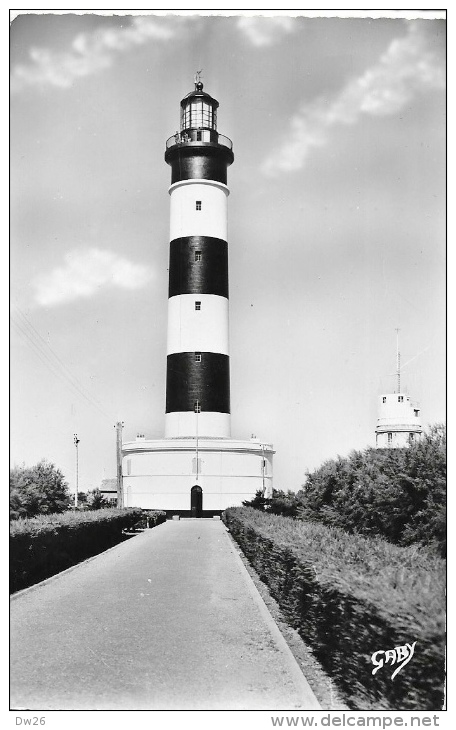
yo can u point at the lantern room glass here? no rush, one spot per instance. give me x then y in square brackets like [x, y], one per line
[198, 114]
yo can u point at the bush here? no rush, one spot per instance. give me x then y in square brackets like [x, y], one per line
[154, 517]
[95, 500]
[259, 501]
[45, 545]
[281, 503]
[349, 596]
[149, 518]
[35, 490]
[399, 494]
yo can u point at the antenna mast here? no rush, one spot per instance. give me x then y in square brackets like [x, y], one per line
[398, 357]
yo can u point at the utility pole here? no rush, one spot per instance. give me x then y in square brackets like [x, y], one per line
[120, 498]
[262, 468]
[197, 409]
[76, 441]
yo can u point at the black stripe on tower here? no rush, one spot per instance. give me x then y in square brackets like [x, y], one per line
[198, 265]
[199, 162]
[207, 381]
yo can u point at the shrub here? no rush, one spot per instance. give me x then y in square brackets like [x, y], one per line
[281, 503]
[349, 596]
[259, 501]
[39, 489]
[45, 545]
[95, 500]
[398, 494]
[154, 517]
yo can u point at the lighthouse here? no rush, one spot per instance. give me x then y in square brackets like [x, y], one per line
[198, 367]
[197, 469]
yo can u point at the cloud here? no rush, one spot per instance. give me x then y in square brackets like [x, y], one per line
[407, 68]
[262, 31]
[90, 53]
[85, 273]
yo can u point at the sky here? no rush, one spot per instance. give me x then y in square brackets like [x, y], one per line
[336, 223]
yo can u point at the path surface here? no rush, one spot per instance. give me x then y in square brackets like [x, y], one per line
[167, 620]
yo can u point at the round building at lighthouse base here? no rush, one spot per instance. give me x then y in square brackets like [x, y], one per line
[191, 477]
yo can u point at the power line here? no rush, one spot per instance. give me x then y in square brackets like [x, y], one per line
[47, 346]
[49, 358]
[46, 360]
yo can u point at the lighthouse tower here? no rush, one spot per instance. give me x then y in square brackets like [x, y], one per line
[198, 469]
[198, 368]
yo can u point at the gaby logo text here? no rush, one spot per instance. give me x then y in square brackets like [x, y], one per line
[401, 654]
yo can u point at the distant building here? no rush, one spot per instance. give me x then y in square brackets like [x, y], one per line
[109, 489]
[398, 423]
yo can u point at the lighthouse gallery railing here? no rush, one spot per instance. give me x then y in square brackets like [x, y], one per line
[194, 136]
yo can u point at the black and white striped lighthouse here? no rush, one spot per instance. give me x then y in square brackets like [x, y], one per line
[198, 368]
[198, 469]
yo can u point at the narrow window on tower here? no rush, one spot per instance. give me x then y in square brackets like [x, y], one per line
[198, 256]
[400, 398]
[198, 205]
[197, 306]
[384, 399]
[197, 407]
[390, 439]
[197, 357]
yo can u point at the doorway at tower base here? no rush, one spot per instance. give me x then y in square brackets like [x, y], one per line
[161, 474]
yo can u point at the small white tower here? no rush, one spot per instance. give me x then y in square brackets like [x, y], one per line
[399, 422]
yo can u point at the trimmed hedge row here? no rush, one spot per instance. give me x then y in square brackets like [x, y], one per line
[43, 546]
[349, 596]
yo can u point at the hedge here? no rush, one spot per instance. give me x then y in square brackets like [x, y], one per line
[43, 546]
[153, 517]
[349, 596]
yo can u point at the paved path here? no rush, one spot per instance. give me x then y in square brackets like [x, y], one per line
[167, 620]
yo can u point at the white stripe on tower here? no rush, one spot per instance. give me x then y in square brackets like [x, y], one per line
[198, 330]
[210, 220]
